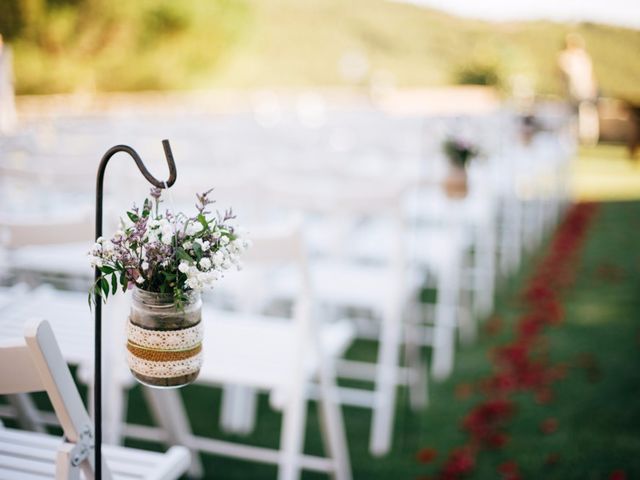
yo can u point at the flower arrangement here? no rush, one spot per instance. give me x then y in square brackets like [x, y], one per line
[459, 151]
[163, 252]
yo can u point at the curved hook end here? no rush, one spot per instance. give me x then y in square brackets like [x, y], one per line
[170, 162]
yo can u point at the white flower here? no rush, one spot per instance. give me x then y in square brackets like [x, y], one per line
[167, 237]
[145, 265]
[187, 245]
[217, 258]
[205, 263]
[151, 235]
[224, 240]
[192, 271]
[193, 228]
[184, 266]
[140, 279]
[95, 261]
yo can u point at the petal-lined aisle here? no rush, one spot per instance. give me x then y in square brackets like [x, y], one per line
[559, 402]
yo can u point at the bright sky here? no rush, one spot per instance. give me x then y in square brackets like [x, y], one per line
[617, 12]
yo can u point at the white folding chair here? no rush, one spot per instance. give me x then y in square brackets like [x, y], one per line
[41, 249]
[343, 284]
[275, 354]
[35, 364]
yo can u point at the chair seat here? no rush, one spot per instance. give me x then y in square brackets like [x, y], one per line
[67, 312]
[432, 247]
[235, 343]
[68, 259]
[32, 456]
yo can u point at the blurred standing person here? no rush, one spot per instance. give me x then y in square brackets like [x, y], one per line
[581, 86]
[7, 98]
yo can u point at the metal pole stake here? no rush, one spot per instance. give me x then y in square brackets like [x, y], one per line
[97, 378]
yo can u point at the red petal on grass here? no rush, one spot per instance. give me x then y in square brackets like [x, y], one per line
[427, 455]
[460, 461]
[544, 396]
[618, 475]
[497, 440]
[552, 459]
[549, 426]
[508, 467]
[463, 390]
[493, 325]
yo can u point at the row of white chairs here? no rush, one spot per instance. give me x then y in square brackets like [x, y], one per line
[384, 237]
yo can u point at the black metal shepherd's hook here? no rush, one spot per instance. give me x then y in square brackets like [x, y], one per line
[97, 379]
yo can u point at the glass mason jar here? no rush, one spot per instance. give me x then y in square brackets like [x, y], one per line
[164, 342]
[456, 183]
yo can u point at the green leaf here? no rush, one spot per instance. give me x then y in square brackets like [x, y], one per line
[197, 248]
[106, 269]
[123, 281]
[114, 284]
[104, 284]
[146, 208]
[133, 217]
[201, 218]
[183, 255]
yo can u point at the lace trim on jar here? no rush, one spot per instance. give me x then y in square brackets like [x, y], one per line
[176, 340]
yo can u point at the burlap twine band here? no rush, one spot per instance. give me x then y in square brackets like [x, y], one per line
[156, 355]
[159, 352]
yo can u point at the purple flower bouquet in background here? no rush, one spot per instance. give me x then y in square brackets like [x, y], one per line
[459, 151]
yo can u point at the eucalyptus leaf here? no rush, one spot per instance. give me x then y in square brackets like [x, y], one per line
[104, 284]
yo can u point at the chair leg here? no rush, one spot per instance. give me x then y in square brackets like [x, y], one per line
[418, 386]
[64, 469]
[484, 273]
[445, 320]
[168, 412]
[384, 402]
[239, 409]
[292, 437]
[116, 415]
[331, 421]
[26, 411]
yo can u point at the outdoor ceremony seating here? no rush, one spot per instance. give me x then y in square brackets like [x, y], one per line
[272, 353]
[34, 363]
[40, 248]
[72, 322]
[376, 233]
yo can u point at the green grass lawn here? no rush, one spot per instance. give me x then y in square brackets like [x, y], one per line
[604, 173]
[596, 405]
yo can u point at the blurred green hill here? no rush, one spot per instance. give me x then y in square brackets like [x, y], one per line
[69, 45]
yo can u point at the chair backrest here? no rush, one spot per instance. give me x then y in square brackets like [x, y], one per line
[35, 363]
[340, 205]
[274, 250]
[69, 229]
